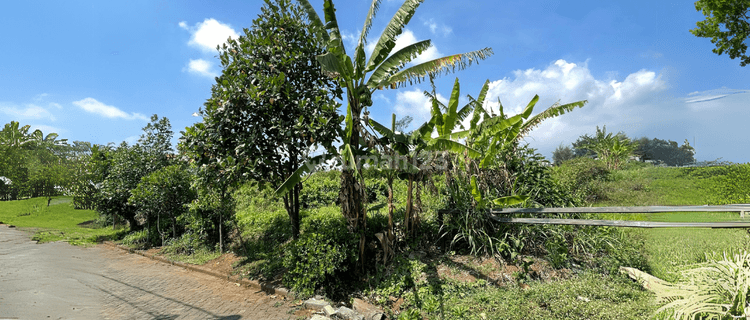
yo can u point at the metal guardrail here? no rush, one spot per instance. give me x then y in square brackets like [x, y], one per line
[741, 208]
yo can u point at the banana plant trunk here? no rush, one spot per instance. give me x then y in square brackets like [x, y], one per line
[390, 209]
[408, 216]
[352, 193]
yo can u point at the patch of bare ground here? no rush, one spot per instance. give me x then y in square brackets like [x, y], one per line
[496, 271]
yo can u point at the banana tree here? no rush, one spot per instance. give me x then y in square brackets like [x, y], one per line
[386, 69]
[393, 146]
[14, 136]
[490, 135]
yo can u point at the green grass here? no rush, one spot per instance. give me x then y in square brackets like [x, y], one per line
[589, 296]
[58, 222]
[669, 249]
[592, 296]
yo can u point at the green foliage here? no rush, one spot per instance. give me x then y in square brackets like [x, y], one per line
[138, 240]
[321, 189]
[165, 192]
[401, 277]
[310, 261]
[665, 151]
[732, 185]
[32, 164]
[728, 26]
[582, 177]
[562, 154]
[129, 164]
[90, 169]
[190, 248]
[388, 69]
[269, 108]
[534, 178]
[323, 252]
[612, 150]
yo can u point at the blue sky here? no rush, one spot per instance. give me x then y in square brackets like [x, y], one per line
[96, 70]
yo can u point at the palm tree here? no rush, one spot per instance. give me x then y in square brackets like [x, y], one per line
[387, 69]
[14, 136]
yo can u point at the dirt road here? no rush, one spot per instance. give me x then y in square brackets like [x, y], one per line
[60, 281]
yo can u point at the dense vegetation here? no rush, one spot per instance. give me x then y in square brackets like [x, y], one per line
[401, 218]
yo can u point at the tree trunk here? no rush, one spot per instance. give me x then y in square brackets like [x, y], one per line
[174, 227]
[293, 210]
[390, 209]
[407, 216]
[221, 235]
[132, 223]
[418, 206]
[239, 234]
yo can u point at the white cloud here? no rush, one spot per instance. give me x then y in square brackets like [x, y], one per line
[208, 34]
[46, 129]
[56, 105]
[711, 95]
[639, 105]
[415, 104]
[406, 38]
[350, 39]
[40, 96]
[31, 111]
[436, 28]
[610, 103]
[201, 67]
[91, 105]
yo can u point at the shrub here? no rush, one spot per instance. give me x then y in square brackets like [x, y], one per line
[186, 244]
[581, 177]
[322, 254]
[321, 189]
[137, 240]
[310, 261]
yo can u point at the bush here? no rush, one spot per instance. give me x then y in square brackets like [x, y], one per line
[322, 254]
[187, 244]
[582, 178]
[321, 189]
[136, 240]
[312, 260]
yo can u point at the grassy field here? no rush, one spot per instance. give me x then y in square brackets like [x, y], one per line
[58, 222]
[671, 248]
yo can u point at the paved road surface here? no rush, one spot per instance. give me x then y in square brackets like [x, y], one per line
[60, 281]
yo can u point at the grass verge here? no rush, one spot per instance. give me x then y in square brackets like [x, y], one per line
[58, 222]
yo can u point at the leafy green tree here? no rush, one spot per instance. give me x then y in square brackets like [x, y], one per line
[32, 161]
[90, 168]
[270, 108]
[15, 143]
[562, 154]
[612, 149]
[49, 180]
[129, 164]
[387, 70]
[165, 192]
[665, 151]
[727, 24]
[581, 145]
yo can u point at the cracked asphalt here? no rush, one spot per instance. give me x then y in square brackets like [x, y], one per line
[60, 281]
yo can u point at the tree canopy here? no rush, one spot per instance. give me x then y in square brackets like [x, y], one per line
[665, 151]
[269, 108]
[727, 24]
